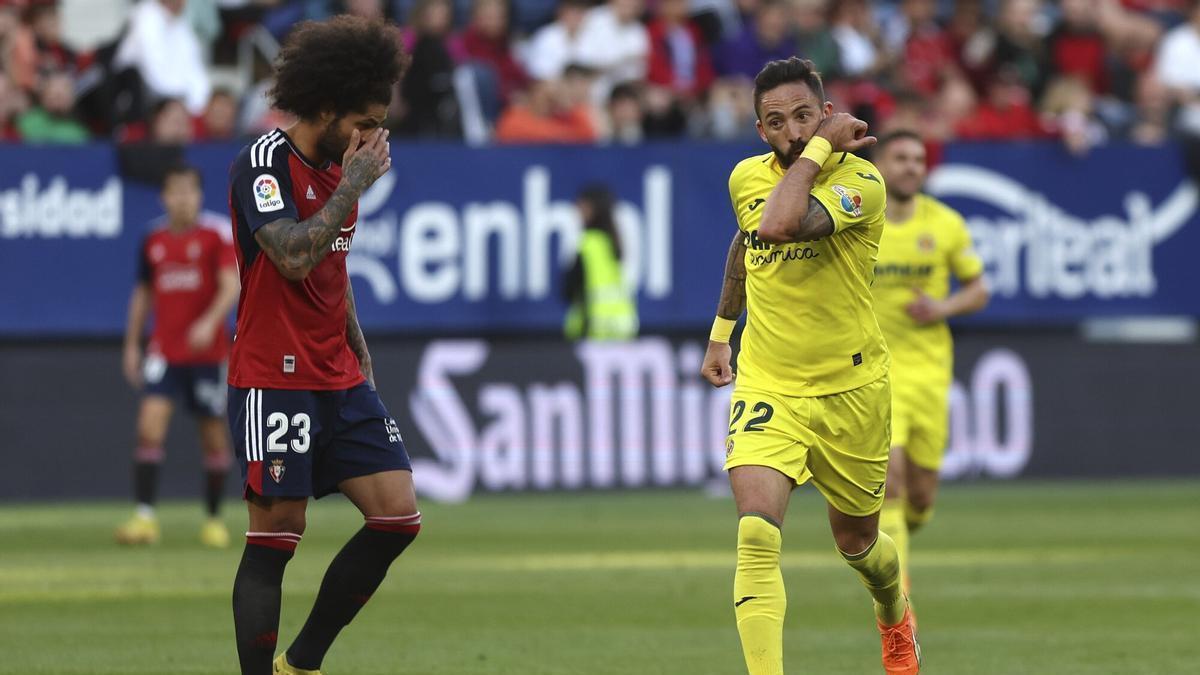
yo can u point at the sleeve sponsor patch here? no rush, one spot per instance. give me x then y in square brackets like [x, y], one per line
[267, 195]
[850, 200]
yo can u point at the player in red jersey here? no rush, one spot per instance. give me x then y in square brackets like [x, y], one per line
[186, 275]
[305, 416]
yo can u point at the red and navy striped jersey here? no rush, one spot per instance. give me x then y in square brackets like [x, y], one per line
[290, 335]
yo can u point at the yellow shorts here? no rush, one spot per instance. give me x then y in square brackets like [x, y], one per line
[920, 422]
[840, 441]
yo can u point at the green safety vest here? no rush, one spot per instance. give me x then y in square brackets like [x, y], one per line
[610, 307]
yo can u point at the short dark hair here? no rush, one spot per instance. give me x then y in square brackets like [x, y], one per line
[625, 90]
[160, 106]
[893, 136]
[783, 71]
[341, 65]
[181, 169]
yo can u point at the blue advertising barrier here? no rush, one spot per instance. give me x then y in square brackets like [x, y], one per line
[466, 240]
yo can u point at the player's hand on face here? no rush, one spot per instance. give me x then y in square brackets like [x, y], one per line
[201, 335]
[924, 309]
[367, 158]
[131, 366]
[845, 132]
[716, 367]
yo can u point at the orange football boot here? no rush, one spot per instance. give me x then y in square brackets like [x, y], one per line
[901, 651]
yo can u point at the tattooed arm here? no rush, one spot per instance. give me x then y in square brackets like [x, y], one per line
[296, 248]
[733, 292]
[354, 336]
[717, 369]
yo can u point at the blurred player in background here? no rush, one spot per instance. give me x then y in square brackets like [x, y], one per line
[601, 305]
[812, 398]
[304, 413]
[924, 243]
[186, 274]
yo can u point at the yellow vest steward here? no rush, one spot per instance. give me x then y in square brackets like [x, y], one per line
[610, 307]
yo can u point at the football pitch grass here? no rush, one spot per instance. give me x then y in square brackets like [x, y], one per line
[1046, 579]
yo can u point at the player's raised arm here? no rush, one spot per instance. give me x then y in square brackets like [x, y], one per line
[354, 336]
[295, 248]
[791, 213]
[716, 368]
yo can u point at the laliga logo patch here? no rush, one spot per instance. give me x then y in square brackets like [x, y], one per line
[851, 200]
[276, 470]
[729, 446]
[267, 195]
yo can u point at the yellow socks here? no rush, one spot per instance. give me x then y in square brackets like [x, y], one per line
[892, 522]
[759, 600]
[914, 518]
[879, 569]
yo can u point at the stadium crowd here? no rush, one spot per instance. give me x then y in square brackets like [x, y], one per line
[624, 71]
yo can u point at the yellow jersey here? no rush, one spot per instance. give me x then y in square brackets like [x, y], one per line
[810, 326]
[921, 253]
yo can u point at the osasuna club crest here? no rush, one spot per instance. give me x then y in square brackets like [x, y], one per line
[276, 470]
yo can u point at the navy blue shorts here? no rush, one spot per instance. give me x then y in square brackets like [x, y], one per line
[200, 388]
[299, 443]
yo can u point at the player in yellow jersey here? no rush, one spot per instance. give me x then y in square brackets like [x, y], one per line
[924, 243]
[812, 399]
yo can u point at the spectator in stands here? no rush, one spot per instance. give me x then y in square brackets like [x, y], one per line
[546, 114]
[614, 42]
[578, 89]
[679, 61]
[955, 103]
[911, 110]
[814, 39]
[730, 113]
[52, 119]
[428, 105]
[766, 38]
[485, 42]
[556, 45]
[367, 9]
[162, 46]
[624, 124]
[151, 147]
[52, 55]
[1068, 109]
[972, 41]
[1177, 66]
[1019, 42]
[924, 53]
[1006, 113]
[1076, 46]
[18, 46]
[13, 102]
[1130, 40]
[219, 122]
[854, 31]
[1152, 110]
[168, 124]
[171, 124]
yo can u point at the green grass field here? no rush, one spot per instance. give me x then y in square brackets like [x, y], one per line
[1052, 579]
